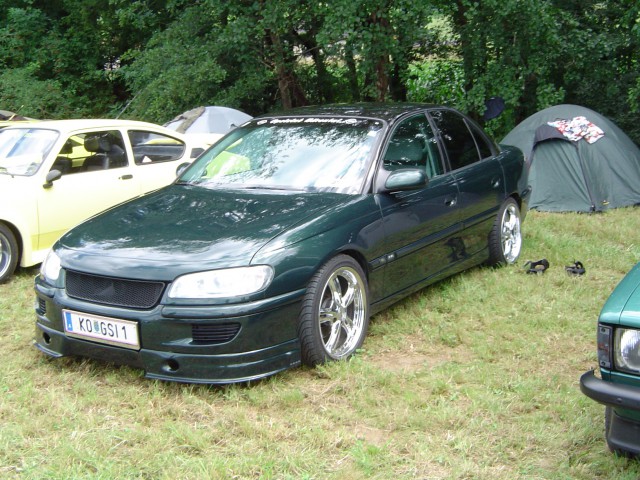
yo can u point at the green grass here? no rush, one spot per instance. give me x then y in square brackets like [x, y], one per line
[473, 378]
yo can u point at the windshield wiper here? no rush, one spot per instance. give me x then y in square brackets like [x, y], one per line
[284, 188]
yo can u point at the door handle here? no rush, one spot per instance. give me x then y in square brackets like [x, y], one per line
[126, 177]
[451, 201]
[495, 183]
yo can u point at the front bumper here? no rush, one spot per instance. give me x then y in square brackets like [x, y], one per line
[623, 433]
[266, 341]
[608, 393]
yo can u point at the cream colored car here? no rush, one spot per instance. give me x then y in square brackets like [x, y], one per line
[55, 174]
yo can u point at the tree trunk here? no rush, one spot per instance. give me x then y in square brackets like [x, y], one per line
[291, 93]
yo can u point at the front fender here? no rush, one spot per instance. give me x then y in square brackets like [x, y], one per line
[353, 228]
[20, 212]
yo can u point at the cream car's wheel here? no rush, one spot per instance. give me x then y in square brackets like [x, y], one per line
[335, 312]
[8, 253]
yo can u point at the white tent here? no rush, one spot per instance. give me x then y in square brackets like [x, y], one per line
[207, 124]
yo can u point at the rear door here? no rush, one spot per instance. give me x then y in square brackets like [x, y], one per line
[478, 174]
[156, 158]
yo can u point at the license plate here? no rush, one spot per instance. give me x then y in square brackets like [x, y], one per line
[112, 331]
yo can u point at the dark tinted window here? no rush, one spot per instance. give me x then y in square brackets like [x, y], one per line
[456, 137]
[483, 145]
[414, 145]
[152, 147]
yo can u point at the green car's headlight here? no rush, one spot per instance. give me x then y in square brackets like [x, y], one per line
[50, 268]
[229, 282]
[627, 350]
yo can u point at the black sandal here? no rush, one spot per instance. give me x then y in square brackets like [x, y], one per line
[537, 267]
[576, 269]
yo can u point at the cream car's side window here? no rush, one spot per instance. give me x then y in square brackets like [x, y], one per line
[151, 147]
[88, 152]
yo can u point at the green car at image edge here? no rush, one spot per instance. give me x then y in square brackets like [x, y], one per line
[618, 388]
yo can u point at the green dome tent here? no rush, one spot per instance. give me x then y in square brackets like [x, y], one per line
[579, 160]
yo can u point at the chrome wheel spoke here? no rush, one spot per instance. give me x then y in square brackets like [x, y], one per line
[336, 290]
[333, 337]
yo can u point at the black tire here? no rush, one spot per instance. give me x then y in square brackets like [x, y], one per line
[505, 239]
[330, 328]
[8, 253]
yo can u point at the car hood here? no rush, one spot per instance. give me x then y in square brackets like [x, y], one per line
[181, 229]
[623, 305]
[7, 181]
[17, 191]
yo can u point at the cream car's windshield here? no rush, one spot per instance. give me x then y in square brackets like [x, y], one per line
[22, 150]
[302, 154]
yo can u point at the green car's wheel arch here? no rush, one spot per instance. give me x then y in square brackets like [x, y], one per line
[505, 239]
[9, 252]
[335, 312]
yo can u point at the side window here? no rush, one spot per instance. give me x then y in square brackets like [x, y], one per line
[151, 147]
[456, 137]
[414, 145]
[88, 152]
[485, 148]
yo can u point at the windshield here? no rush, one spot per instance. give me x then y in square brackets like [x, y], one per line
[22, 150]
[301, 154]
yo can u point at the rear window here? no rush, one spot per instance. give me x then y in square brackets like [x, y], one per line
[151, 147]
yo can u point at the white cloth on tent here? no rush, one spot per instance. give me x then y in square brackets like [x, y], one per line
[578, 128]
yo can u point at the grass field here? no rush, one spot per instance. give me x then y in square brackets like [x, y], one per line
[473, 378]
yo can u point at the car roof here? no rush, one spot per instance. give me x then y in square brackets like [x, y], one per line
[77, 124]
[382, 111]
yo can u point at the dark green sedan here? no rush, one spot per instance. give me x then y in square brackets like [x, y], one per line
[276, 246]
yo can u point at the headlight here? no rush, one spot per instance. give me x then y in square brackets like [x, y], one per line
[230, 282]
[50, 268]
[627, 350]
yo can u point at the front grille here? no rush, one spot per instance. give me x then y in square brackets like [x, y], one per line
[41, 309]
[214, 334]
[113, 291]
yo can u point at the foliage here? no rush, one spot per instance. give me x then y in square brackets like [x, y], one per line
[603, 58]
[436, 81]
[153, 59]
[69, 49]
[379, 37]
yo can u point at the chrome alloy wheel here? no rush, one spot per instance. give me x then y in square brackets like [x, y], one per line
[342, 312]
[511, 237]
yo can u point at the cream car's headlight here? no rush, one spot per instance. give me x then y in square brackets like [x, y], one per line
[50, 268]
[627, 350]
[229, 282]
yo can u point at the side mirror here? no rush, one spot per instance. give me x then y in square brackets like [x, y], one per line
[181, 168]
[196, 152]
[405, 179]
[51, 177]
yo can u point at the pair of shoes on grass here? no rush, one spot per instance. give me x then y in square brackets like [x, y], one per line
[540, 266]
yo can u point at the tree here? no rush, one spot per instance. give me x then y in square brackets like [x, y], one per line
[509, 49]
[60, 58]
[153, 59]
[376, 40]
